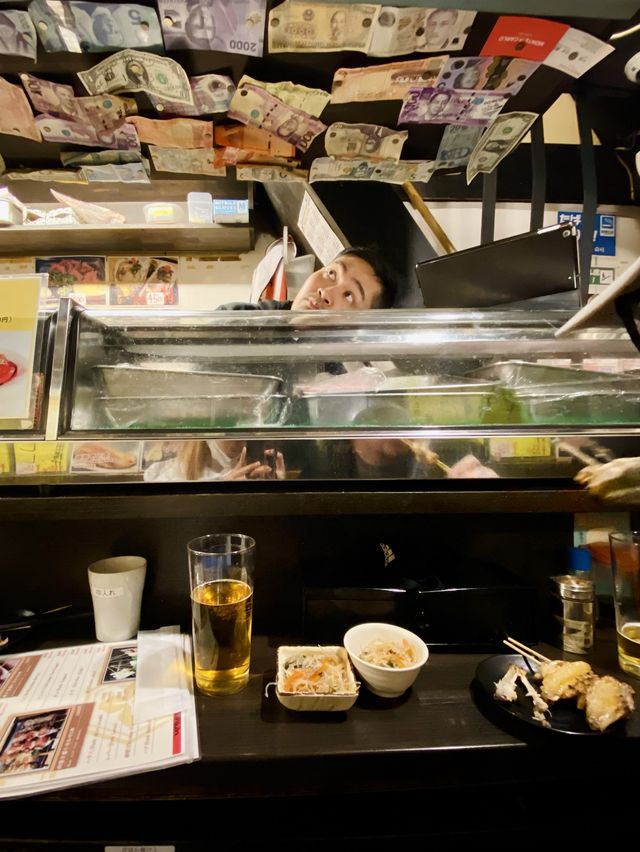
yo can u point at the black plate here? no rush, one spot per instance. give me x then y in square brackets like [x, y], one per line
[565, 717]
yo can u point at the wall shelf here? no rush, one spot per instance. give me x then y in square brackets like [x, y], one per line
[100, 239]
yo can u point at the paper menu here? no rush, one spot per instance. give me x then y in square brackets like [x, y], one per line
[67, 717]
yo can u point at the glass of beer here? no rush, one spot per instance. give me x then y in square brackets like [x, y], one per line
[221, 572]
[625, 562]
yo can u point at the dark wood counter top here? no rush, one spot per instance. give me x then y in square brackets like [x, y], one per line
[424, 752]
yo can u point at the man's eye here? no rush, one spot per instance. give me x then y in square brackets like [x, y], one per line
[348, 296]
[330, 273]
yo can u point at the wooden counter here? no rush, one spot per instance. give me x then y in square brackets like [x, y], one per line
[430, 765]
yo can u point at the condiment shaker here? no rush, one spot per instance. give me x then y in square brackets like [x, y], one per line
[573, 612]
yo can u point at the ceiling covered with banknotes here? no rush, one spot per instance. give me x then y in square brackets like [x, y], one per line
[261, 90]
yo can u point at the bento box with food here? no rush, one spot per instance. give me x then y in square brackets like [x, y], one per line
[315, 677]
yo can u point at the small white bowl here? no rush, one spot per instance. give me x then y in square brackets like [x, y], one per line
[315, 701]
[383, 680]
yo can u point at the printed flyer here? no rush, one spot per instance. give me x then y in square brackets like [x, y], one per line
[19, 302]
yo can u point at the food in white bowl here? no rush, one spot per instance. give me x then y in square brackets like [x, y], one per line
[315, 678]
[387, 657]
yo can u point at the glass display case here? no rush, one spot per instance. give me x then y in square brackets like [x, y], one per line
[327, 395]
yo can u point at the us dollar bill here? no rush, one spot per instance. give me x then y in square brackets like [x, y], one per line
[17, 34]
[230, 26]
[16, 117]
[498, 141]
[121, 137]
[134, 71]
[456, 145]
[399, 30]
[364, 141]
[174, 132]
[254, 106]
[303, 26]
[386, 171]
[197, 161]
[450, 106]
[311, 101]
[390, 81]
[124, 173]
[269, 174]
[99, 158]
[211, 93]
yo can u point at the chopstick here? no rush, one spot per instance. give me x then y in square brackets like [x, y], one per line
[425, 455]
[580, 455]
[525, 650]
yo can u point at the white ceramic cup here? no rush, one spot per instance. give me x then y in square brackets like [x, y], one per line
[116, 593]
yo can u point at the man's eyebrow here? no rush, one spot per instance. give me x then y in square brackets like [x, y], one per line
[344, 269]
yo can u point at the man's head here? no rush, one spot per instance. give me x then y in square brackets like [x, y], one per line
[438, 27]
[356, 279]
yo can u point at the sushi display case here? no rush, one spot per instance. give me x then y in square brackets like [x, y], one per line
[129, 388]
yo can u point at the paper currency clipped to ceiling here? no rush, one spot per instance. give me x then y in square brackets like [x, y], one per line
[276, 130]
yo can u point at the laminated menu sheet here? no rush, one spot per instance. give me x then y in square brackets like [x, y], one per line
[76, 715]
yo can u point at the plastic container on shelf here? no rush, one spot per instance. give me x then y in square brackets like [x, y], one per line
[162, 213]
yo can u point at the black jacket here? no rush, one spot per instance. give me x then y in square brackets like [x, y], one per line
[264, 305]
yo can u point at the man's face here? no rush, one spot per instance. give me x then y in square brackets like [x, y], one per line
[346, 284]
[438, 26]
[338, 21]
[438, 103]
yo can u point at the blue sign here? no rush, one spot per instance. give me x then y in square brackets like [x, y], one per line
[604, 235]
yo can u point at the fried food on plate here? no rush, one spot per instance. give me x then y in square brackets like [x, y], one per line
[561, 679]
[605, 701]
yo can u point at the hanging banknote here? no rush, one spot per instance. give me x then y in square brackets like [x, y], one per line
[78, 27]
[17, 34]
[399, 30]
[577, 52]
[252, 139]
[386, 82]
[311, 101]
[502, 74]
[450, 106]
[125, 173]
[53, 129]
[198, 161]
[99, 158]
[269, 174]
[58, 99]
[16, 117]
[304, 26]
[133, 71]
[254, 106]
[456, 145]
[174, 132]
[48, 176]
[499, 140]
[211, 93]
[387, 171]
[230, 26]
[364, 141]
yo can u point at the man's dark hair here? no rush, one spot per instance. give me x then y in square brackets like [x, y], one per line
[372, 256]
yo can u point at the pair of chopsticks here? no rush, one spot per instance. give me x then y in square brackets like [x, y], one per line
[424, 454]
[525, 650]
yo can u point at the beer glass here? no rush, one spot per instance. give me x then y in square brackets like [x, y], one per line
[625, 562]
[221, 572]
